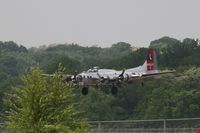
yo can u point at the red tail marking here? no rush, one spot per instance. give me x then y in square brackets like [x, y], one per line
[150, 60]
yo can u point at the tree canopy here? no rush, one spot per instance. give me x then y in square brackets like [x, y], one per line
[165, 97]
[42, 105]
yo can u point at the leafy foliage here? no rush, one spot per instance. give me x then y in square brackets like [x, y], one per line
[42, 105]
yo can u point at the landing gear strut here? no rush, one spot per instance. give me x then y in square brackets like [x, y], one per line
[114, 90]
[85, 90]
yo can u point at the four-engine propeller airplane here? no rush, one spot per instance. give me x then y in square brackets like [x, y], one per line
[110, 77]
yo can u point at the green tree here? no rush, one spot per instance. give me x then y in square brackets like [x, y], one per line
[163, 42]
[42, 105]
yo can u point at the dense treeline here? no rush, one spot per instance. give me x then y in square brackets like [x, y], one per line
[78, 57]
[167, 97]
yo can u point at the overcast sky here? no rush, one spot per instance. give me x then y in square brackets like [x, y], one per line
[97, 22]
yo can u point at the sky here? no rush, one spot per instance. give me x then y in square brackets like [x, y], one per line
[33, 23]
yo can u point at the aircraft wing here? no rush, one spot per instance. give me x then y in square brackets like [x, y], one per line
[48, 75]
[156, 73]
[142, 75]
[65, 77]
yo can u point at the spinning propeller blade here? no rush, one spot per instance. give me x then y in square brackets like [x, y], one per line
[102, 79]
[121, 76]
[74, 79]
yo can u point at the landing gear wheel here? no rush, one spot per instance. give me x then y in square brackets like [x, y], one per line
[114, 90]
[85, 90]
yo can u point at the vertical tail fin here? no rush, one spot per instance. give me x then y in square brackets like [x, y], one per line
[151, 61]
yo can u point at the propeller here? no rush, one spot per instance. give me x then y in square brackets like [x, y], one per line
[66, 78]
[74, 77]
[102, 79]
[121, 76]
